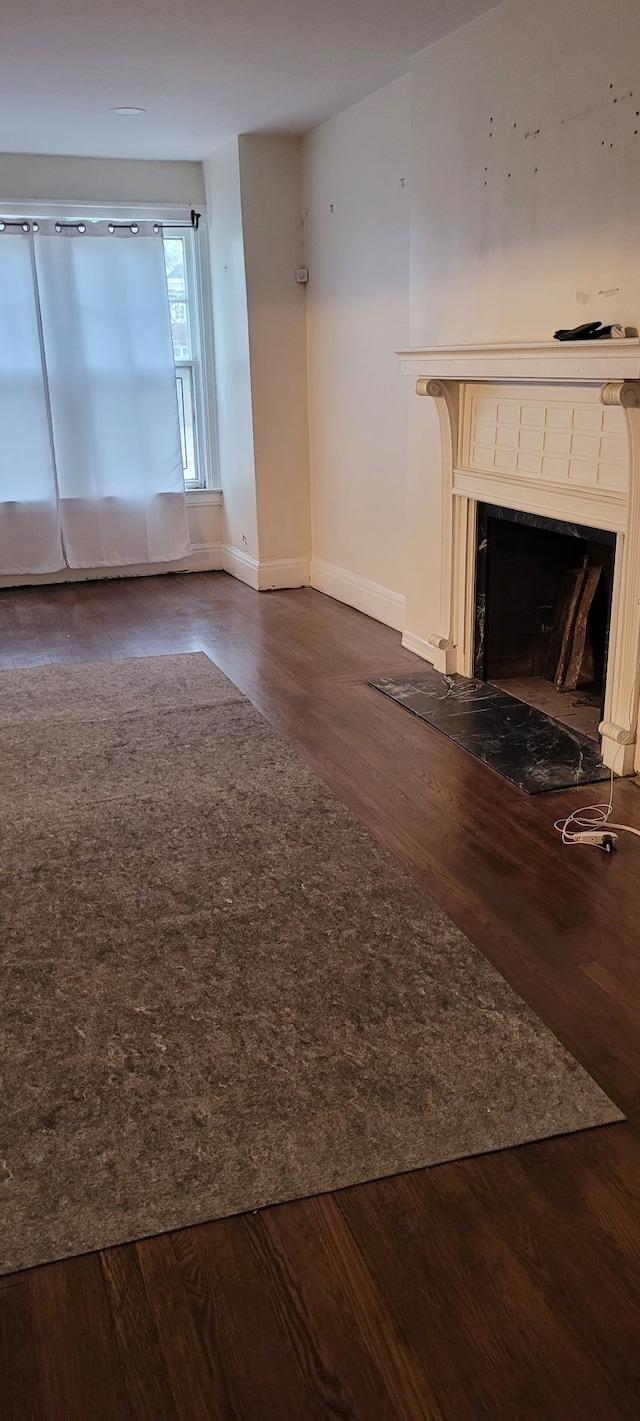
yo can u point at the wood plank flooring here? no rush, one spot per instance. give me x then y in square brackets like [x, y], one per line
[503, 1287]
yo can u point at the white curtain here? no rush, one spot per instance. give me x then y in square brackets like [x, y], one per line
[107, 469]
[30, 538]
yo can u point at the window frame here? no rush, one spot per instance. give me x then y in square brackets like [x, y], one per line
[199, 367]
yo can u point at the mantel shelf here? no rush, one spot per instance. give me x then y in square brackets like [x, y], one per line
[571, 361]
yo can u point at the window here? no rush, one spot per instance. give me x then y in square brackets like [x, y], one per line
[189, 303]
[90, 468]
[180, 257]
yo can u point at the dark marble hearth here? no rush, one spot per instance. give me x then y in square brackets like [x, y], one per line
[516, 740]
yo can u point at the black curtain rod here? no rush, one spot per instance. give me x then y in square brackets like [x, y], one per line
[195, 222]
[18, 221]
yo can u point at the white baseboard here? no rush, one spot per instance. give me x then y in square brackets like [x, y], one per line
[442, 657]
[370, 597]
[241, 565]
[266, 574]
[206, 557]
[418, 645]
[282, 572]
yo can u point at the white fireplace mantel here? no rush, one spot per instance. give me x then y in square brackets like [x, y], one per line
[575, 360]
[552, 428]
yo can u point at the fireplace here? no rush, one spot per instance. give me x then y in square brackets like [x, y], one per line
[543, 590]
[541, 431]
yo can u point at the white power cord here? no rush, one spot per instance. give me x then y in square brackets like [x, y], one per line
[593, 823]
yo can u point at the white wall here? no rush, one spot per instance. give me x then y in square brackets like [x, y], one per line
[25, 176]
[271, 177]
[519, 137]
[526, 144]
[233, 372]
[356, 185]
[526, 131]
[254, 206]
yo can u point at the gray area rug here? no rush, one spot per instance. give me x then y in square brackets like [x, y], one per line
[217, 992]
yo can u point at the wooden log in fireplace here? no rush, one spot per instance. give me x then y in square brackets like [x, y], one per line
[570, 652]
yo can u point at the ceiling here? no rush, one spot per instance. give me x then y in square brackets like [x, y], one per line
[204, 70]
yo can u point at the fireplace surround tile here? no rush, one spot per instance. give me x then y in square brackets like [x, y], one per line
[516, 740]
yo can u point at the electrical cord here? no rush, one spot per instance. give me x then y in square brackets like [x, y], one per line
[592, 823]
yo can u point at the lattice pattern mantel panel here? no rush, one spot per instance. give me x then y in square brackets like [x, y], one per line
[548, 435]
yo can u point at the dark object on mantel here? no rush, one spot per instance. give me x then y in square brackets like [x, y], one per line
[592, 330]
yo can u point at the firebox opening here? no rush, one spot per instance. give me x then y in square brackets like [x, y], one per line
[543, 604]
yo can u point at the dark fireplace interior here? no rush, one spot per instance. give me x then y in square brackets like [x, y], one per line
[543, 601]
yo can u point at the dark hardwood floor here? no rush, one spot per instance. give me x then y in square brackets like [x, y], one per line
[501, 1287]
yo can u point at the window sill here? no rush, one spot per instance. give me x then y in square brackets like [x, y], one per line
[203, 496]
